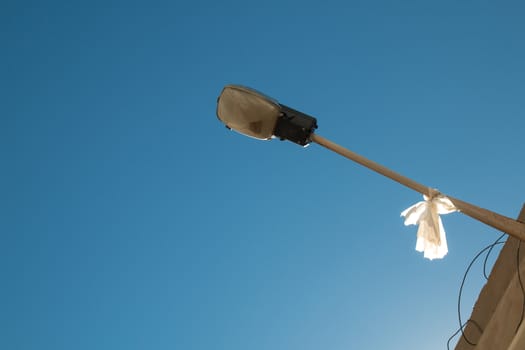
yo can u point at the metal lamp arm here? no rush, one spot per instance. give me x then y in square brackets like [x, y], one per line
[498, 221]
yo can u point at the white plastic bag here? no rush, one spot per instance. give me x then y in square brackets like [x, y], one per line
[431, 238]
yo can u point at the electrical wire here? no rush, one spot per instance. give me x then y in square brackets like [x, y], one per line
[522, 287]
[456, 333]
[461, 325]
[487, 256]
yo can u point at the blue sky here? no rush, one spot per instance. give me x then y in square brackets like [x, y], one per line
[132, 219]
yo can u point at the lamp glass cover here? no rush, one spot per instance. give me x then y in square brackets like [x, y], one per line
[248, 111]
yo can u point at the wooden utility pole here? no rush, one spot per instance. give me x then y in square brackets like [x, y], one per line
[498, 310]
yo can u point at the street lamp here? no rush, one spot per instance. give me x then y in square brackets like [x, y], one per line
[254, 114]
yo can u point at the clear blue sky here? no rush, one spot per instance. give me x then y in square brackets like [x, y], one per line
[132, 219]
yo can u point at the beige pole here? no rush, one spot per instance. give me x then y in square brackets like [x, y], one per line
[500, 222]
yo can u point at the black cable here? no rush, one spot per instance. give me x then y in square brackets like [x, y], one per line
[463, 283]
[487, 256]
[521, 285]
[456, 333]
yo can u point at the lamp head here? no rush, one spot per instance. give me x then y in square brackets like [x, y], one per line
[254, 114]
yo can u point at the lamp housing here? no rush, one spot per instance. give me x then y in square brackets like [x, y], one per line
[254, 114]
